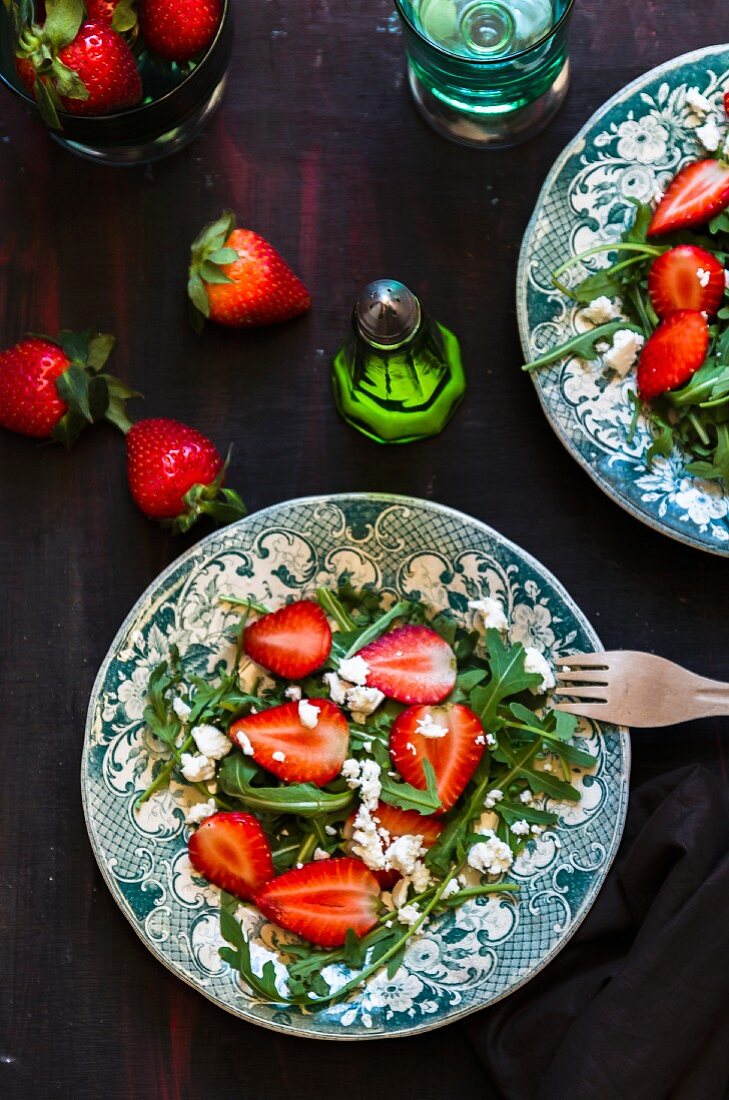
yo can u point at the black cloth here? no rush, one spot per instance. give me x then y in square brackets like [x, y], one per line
[636, 1006]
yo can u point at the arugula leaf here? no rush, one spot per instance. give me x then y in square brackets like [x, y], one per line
[508, 677]
[301, 799]
[583, 345]
[406, 797]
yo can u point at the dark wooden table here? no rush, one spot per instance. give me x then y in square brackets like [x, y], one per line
[318, 148]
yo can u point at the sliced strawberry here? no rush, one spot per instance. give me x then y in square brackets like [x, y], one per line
[416, 736]
[412, 664]
[231, 851]
[292, 642]
[295, 753]
[397, 823]
[726, 104]
[686, 277]
[321, 901]
[699, 192]
[674, 352]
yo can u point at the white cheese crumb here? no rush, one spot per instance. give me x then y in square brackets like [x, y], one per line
[330, 830]
[319, 853]
[364, 700]
[293, 692]
[200, 812]
[279, 757]
[537, 663]
[451, 888]
[211, 742]
[490, 613]
[480, 740]
[181, 709]
[308, 714]
[411, 748]
[368, 841]
[520, 828]
[403, 854]
[624, 351]
[726, 278]
[601, 310]
[492, 797]
[196, 769]
[525, 797]
[428, 727]
[698, 103]
[400, 892]
[354, 669]
[491, 740]
[703, 276]
[537, 830]
[367, 746]
[709, 135]
[408, 914]
[365, 776]
[244, 742]
[491, 857]
[337, 689]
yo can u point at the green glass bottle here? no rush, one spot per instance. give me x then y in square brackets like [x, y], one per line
[398, 377]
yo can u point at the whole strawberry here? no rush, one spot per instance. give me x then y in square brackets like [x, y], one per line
[51, 389]
[239, 280]
[176, 475]
[178, 30]
[121, 15]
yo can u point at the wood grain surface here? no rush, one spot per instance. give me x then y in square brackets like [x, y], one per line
[318, 148]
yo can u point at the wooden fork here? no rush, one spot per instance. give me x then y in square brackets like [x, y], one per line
[636, 689]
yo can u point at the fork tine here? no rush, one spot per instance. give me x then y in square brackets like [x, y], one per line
[580, 692]
[594, 711]
[583, 660]
[585, 676]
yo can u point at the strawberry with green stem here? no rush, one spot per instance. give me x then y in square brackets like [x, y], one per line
[51, 389]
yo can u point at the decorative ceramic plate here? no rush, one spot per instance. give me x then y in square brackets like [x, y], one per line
[631, 147]
[468, 958]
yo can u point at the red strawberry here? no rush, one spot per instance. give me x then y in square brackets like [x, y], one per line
[699, 192]
[686, 277]
[176, 475]
[322, 901]
[454, 755]
[292, 642]
[239, 280]
[51, 390]
[412, 664]
[674, 352]
[231, 851]
[119, 14]
[726, 104]
[179, 30]
[295, 753]
[397, 823]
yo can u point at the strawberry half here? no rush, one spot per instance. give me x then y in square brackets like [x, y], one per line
[455, 755]
[699, 192]
[286, 747]
[674, 352]
[231, 851]
[239, 280]
[686, 277]
[321, 901]
[397, 823]
[726, 104]
[292, 642]
[412, 664]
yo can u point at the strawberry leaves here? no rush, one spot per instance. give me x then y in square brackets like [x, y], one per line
[90, 393]
[208, 256]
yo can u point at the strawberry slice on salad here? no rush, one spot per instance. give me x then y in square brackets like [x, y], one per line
[451, 738]
[321, 901]
[397, 823]
[292, 642]
[673, 353]
[686, 277]
[279, 741]
[699, 192]
[232, 851]
[411, 664]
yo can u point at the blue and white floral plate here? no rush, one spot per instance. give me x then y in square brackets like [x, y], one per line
[631, 147]
[470, 957]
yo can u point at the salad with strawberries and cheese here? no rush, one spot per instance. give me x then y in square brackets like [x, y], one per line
[356, 771]
[662, 307]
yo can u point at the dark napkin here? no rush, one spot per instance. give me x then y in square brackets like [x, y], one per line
[636, 1006]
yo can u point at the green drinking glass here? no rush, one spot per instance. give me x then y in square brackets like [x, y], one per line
[487, 73]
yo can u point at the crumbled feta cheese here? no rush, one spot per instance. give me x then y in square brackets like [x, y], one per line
[709, 135]
[408, 914]
[480, 740]
[698, 103]
[279, 757]
[337, 689]
[491, 740]
[492, 797]
[624, 351]
[451, 888]
[726, 278]
[520, 828]
[537, 663]
[308, 714]
[703, 276]
[200, 812]
[330, 830]
[420, 877]
[491, 857]
[368, 841]
[365, 776]
[211, 742]
[400, 892]
[354, 669]
[367, 746]
[428, 727]
[411, 747]
[364, 700]
[656, 197]
[196, 769]
[601, 310]
[490, 613]
[181, 708]
[404, 852]
[319, 853]
[244, 743]
[537, 830]
[525, 797]
[293, 692]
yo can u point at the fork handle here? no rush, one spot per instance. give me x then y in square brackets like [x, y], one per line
[712, 697]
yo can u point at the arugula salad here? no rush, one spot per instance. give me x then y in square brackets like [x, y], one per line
[356, 772]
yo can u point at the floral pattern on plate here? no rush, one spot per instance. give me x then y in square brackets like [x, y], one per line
[466, 959]
[631, 148]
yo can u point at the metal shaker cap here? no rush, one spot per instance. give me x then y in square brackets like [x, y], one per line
[387, 313]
